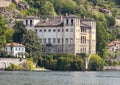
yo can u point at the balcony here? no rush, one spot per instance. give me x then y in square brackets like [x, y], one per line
[48, 44]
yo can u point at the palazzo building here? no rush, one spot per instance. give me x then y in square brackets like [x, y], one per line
[64, 34]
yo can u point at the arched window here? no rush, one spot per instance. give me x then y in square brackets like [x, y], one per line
[49, 30]
[67, 22]
[71, 21]
[30, 22]
[26, 22]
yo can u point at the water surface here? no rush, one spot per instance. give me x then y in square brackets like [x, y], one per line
[59, 78]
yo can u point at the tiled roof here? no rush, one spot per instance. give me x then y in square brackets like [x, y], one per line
[31, 17]
[14, 44]
[87, 19]
[50, 22]
[84, 25]
[114, 42]
[71, 16]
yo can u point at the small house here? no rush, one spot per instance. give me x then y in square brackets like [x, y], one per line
[15, 49]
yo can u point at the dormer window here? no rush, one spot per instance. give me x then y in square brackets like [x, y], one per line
[26, 22]
[71, 21]
[30, 22]
[66, 22]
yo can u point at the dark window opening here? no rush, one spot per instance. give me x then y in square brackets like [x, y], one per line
[30, 22]
[67, 22]
[71, 21]
[26, 22]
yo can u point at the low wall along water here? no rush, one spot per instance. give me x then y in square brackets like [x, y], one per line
[5, 62]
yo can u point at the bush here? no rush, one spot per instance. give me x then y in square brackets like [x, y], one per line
[28, 65]
[96, 63]
[62, 62]
[13, 67]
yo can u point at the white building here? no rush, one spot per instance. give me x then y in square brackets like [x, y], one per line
[15, 49]
[114, 46]
[64, 34]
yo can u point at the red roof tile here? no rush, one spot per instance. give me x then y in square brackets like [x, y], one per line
[14, 44]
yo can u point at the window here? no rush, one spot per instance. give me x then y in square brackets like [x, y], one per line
[81, 50]
[66, 30]
[36, 30]
[40, 30]
[71, 30]
[83, 29]
[62, 30]
[44, 40]
[19, 49]
[26, 22]
[15, 49]
[66, 22]
[71, 21]
[30, 22]
[49, 40]
[40, 40]
[85, 50]
[44, 30]
[53, 30]
[85, 39]
[58, 50]
[54, 40]
[58, 30]
[49, 30]
[66, 40]
[23, 49]
[58, 40]
[62, 40]
[71, 40]
[81, 39]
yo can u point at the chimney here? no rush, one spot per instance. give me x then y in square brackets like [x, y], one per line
[46, 20]
[61, 18]
[66, 14]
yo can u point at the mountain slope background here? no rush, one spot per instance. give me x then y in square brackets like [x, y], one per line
[103, 11]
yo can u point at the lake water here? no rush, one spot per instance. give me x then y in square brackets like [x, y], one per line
[59, 78]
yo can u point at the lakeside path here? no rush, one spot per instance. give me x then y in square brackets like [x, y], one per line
[40, 69]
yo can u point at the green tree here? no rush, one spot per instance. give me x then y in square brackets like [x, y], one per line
[5, 33]
[65, 6]
[32, 44]
[47, 8]
[95, 2]
[102, 39]
[20, 31]
[77, 64]
[96, 63]
[110, 21]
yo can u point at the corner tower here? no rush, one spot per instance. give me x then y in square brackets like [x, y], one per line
[30, 22]
[71, 34]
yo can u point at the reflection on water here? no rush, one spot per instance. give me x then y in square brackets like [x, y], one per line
[59, 78]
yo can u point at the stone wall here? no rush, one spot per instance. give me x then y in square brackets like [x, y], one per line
[5, 62]
[66, 48]
[4, 3]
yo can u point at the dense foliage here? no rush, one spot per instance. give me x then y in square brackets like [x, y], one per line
[63, 62]
[5, 33]
[32, 43]
[82, 8]
[28, 65]
[29, 39]
[96, 63]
